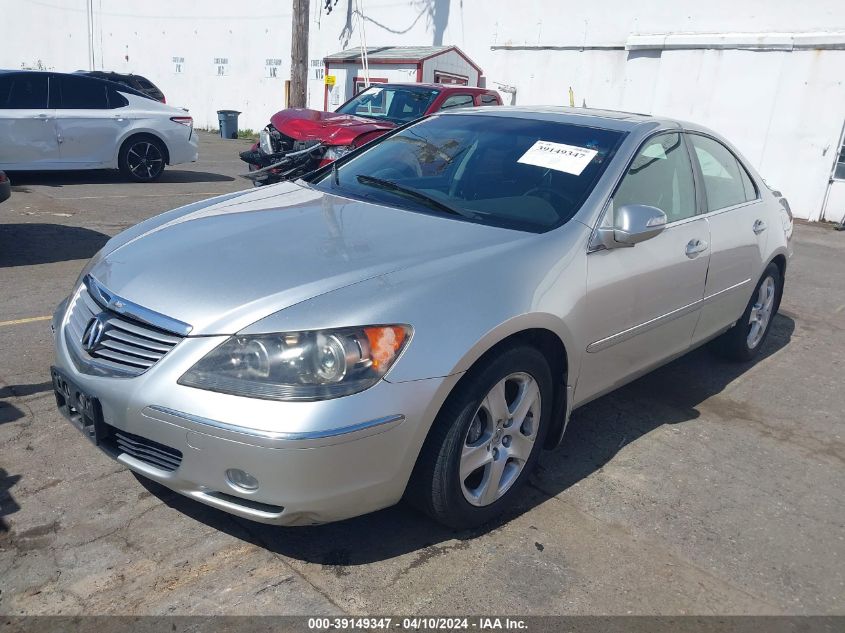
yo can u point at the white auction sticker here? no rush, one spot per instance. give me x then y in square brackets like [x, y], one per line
[566, 158]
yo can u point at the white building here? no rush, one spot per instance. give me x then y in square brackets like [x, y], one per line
[769, 74]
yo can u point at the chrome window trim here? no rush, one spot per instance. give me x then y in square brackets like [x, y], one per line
[710, 214]
[355, 431]
[110, 301]
[624, 335]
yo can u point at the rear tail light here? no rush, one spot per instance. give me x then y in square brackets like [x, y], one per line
[183, 120]
[163, 99]
[3, 177]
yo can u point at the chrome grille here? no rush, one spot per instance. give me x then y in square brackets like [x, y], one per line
[126, 347]
[144, 450]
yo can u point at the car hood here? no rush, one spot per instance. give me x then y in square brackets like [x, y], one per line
[223, 266]
[330, 128]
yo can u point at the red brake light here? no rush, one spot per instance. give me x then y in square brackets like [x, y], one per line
[183, 120]
[3, 177]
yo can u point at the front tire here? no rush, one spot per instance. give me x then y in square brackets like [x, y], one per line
[142, 158]
[743, 341]
[486, 440]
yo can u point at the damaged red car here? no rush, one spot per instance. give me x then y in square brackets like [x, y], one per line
[298, 140]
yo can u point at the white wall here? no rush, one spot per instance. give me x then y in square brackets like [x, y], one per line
[783, 108]
[144, 38]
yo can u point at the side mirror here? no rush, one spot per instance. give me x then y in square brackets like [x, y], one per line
[635, 223]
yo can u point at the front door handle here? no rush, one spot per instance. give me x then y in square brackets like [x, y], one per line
[694, 247]
[759, 227]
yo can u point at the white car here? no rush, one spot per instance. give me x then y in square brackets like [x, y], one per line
[53, 121]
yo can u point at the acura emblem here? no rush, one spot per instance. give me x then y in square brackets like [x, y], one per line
[94, 332]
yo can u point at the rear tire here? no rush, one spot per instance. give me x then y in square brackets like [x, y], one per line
[481, 449]
[142, 158]
[743, 341]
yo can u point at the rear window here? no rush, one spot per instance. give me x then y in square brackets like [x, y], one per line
[116, 100]
[489, 100]
[457, 101]
[502, 171]
[81, 93]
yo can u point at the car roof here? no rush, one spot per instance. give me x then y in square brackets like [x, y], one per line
[109, 73]
[593, 117]
[433, 86]
[117, 86]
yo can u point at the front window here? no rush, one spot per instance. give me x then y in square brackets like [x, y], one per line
[660, 176]
[502, 171]
[398, 104]
[23, 92]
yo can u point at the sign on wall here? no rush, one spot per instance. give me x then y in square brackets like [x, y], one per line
[317, 69]
[221, 66]
[272, 68]
[178, 65]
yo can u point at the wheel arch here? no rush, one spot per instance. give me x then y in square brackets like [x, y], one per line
[548, 337]
[140, 133]
[780, 260]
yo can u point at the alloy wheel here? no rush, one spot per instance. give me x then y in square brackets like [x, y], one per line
[500, 438]
[145, 160]
[761, 312]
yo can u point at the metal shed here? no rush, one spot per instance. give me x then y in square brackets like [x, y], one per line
[345, 77]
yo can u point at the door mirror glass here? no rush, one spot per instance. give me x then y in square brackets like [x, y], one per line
[635, 223]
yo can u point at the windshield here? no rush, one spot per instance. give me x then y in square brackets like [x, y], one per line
[503, 171]
[398, 104]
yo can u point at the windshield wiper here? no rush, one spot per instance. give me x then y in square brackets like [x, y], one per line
[389, 185]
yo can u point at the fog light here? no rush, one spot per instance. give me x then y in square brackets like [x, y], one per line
[241, 479]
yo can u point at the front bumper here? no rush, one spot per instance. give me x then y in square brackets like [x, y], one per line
[315, 461]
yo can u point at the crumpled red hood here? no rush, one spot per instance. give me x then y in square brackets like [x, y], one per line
[330, 128]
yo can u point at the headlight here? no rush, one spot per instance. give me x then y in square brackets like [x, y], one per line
[265, 142]
[314, 365]
[334, 152]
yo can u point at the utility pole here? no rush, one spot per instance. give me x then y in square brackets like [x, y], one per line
[299, 54]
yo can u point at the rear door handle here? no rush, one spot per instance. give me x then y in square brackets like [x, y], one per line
[694, 247]
[759, 227]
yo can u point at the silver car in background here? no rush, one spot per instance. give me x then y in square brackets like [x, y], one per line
[420, 318]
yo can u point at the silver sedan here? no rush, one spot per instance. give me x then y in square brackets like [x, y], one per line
[420, 318]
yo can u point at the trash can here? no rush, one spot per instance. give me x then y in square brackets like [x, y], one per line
[228, 120]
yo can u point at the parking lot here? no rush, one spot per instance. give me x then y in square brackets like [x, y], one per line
[702, 488]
